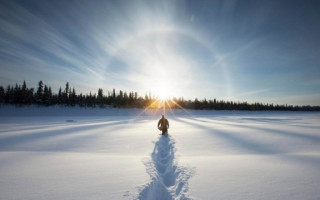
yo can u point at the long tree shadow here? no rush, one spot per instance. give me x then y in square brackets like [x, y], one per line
[168, 179]
[13, 141]
[234, 139]
[267, 129]
[313, 138]
[257, 147]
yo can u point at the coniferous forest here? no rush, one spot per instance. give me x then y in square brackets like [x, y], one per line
[43, 95]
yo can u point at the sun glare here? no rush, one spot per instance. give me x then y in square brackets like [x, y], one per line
[163, 91]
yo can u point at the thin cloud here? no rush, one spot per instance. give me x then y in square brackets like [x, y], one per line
[136, 45]
[253, 92]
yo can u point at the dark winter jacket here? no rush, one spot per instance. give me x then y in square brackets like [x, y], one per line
[163, 123]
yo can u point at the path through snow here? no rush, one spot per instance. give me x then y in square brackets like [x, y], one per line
[168, 179]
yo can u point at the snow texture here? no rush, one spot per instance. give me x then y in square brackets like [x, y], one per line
[77, 153]
[168, 179]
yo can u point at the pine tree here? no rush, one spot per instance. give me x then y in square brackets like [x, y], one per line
[11, 95]
[66, 94]
[135, 95]
[90, 100]
[80, 100]
[73, 97]
[2, 95]
[100, 97]
[45, 96]
[60, 98]
[7, 95]
[16, 94]
[30, 96]
[113, 94]
[50, 96]
[24, 91]
[39, 94]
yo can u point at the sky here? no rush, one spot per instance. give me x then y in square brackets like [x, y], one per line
[254, 51]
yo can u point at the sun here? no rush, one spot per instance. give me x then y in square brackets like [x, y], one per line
[163, 90]
[163, 96]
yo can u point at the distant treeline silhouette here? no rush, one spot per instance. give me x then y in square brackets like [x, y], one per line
[43, 95]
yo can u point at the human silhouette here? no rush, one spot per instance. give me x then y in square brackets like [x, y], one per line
[163, 125]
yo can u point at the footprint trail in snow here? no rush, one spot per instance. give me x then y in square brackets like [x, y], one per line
[168, 179]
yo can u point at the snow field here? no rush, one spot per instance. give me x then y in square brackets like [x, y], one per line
[119, 154]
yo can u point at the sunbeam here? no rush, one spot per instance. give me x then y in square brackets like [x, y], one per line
[169, 106]
[180, 107]
[168, 48]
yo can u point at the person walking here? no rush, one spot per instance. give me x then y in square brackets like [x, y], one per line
[163, 125]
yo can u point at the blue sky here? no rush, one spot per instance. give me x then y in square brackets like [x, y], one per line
[255, 51]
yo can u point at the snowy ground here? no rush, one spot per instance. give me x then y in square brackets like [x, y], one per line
[72, 153]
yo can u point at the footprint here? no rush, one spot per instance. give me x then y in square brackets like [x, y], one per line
[168, 180]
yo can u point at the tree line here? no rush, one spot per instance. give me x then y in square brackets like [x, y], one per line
[43, 95]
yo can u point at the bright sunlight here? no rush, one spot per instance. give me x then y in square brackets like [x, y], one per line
[163, 90]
